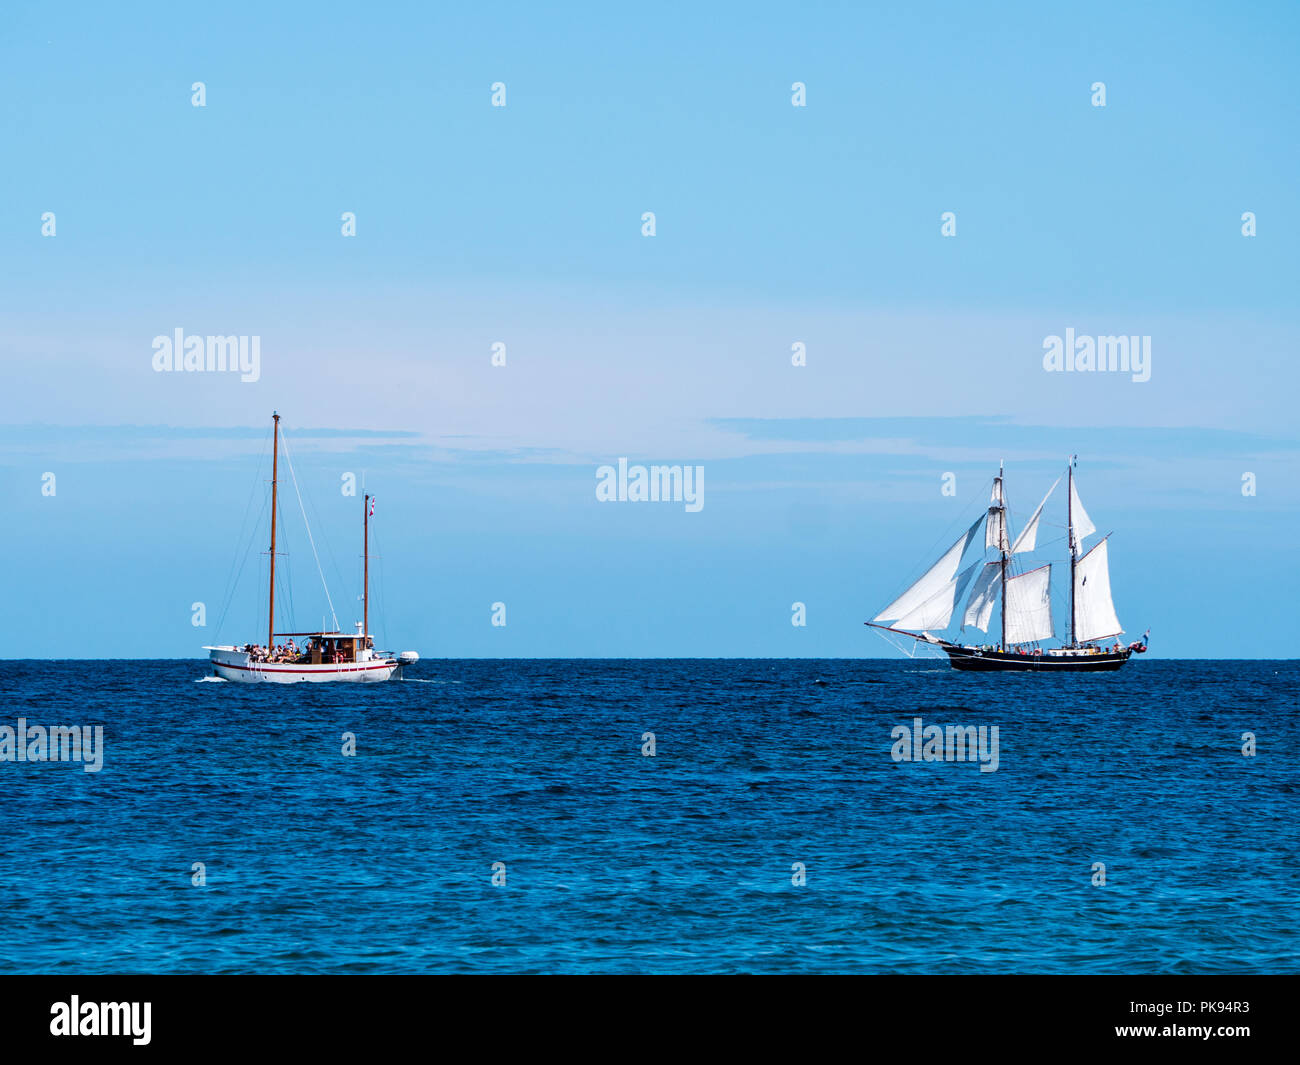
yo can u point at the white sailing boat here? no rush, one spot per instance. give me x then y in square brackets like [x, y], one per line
[1024, 598]
[324, 655]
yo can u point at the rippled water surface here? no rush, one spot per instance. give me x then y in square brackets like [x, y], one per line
[681, 862]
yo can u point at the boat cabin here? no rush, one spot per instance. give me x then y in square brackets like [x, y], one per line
[325, 648]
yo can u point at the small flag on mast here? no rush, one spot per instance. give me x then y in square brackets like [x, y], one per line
[372, 506]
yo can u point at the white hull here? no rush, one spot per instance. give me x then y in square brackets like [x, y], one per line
[232, 664]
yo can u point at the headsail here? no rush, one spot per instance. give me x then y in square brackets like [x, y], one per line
[1029, 606]
[933, 582]
[1094, 610]
[936, 612]
[1028, 537]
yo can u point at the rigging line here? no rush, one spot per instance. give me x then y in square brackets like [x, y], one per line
[329, 551]
[286, 576]
[248, 506]
[294, 477]
[383, 599]
[263, 580]
[248, 550]
[283, 607]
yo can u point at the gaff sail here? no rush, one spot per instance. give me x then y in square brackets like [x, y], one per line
[1094, 610]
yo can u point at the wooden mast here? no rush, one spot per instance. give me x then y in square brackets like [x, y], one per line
[365, 581]
[1069, 537]
[275, 469]
[1002, 547]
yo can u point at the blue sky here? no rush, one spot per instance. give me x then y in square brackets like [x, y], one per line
[522, 225]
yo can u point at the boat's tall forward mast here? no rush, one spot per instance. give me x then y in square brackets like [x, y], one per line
[275, 469]
[1002, 548]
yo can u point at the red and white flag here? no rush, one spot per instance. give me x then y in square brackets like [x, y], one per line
[372, 506]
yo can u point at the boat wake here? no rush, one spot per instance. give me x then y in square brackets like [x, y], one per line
[211, 680]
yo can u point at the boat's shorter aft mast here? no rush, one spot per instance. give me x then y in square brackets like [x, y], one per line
[275, 457]
[1069, 534]
[365, 567]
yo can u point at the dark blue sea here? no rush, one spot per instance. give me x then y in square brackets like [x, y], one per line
[684, 862]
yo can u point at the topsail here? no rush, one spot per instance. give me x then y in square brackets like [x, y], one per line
[995, 529]
[1028, 537]
[1083, 526]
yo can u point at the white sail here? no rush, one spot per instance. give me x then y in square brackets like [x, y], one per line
[1094, 610]
[987, 590]
[995, 528]
[933, 581]
[1028, 537]
[1029, 606]
[1083, 525]
[936, 612]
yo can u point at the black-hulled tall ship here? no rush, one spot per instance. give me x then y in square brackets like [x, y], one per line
[1023, 597]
